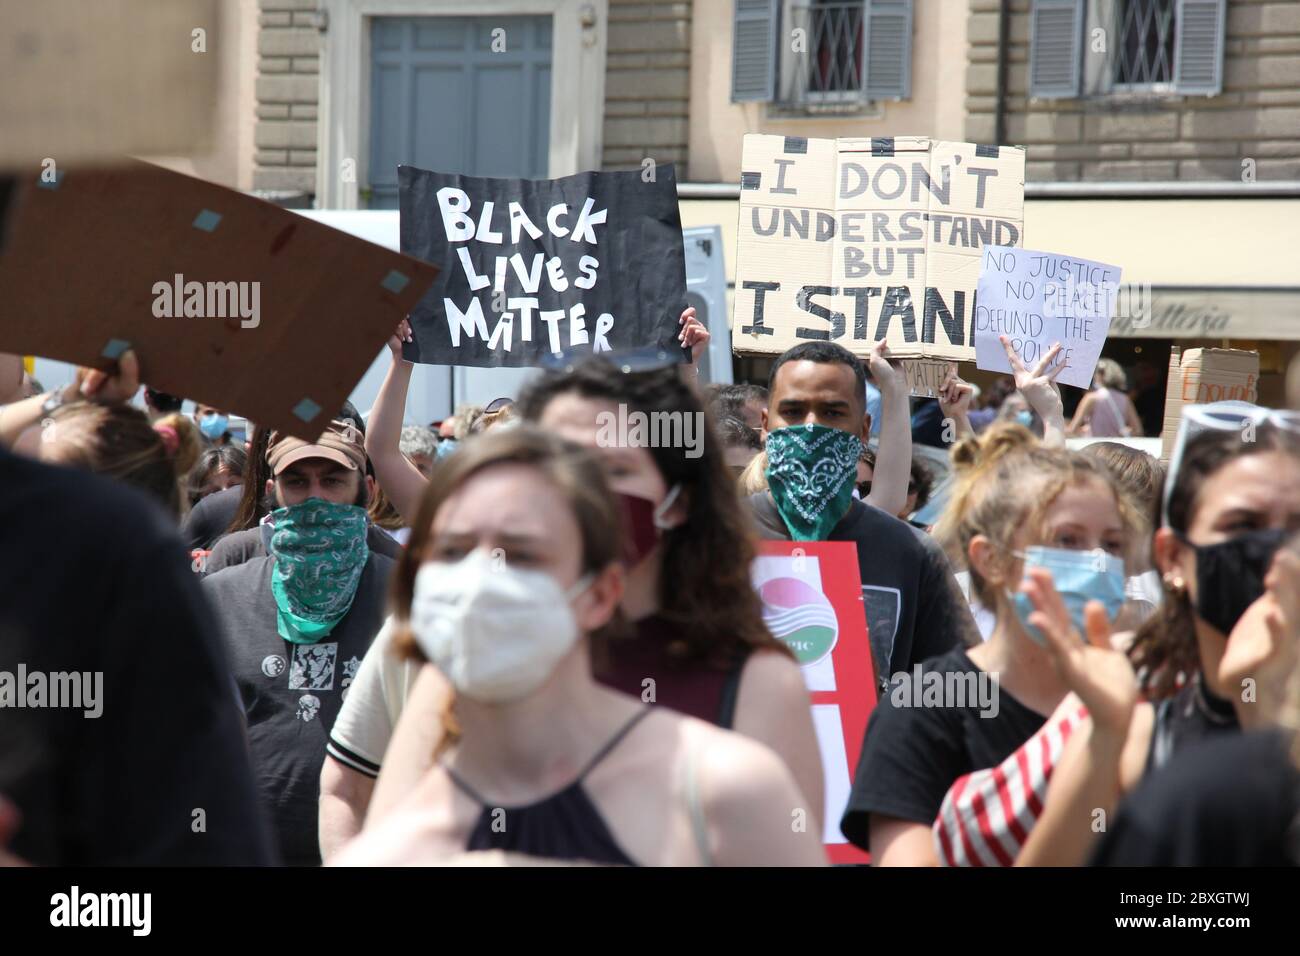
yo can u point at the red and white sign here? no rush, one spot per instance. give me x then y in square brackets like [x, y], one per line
[812, 601]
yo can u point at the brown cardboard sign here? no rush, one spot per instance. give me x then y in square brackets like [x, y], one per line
[102, 79]
[226, 299]
[925, 377]
[1201, 376]
[857, 240]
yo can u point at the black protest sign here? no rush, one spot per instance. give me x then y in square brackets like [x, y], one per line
[531, 268]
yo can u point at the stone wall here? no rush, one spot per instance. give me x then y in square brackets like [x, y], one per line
[1257, 116]
[647, 83]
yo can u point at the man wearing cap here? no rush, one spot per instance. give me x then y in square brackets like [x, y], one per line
[297, 622]
[238, 546]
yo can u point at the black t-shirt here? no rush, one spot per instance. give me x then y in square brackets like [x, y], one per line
[209, 519]
[1231, 800]
[920, 740]
[1188, 717]
[95, 580]
[292, 692]
[914, 607]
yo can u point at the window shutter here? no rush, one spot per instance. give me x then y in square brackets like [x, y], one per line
[753, 51]
[1055, 48]
[1198, 49]
[888, 43]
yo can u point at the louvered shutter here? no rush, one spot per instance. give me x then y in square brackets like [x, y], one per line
[889, 49]
[1055, 48]
[1198, 49]
[753, 51]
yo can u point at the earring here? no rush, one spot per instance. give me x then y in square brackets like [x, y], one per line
[1176, 585]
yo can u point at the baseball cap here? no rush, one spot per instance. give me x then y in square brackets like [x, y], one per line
[341, 442]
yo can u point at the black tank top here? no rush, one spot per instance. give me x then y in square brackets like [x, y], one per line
[563, 826]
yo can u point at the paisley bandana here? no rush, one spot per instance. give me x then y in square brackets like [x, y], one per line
[811, 471]
[320, 552]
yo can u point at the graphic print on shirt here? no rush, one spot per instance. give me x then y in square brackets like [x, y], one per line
[308, 707]
[884, 607]
[350, 669]
[273, 665]
[313, 667]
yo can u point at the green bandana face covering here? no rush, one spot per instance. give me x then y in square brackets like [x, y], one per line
[320, 552]
[810, 472]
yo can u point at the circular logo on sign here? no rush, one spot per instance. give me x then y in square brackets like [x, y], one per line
[273, 665]
[801, 616]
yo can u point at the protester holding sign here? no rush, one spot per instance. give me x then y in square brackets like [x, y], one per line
[513, 569]
[1016, 506]
[1230, 505]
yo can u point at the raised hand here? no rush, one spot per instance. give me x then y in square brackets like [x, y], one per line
[1264, 647]
[955, 395]
[887, 372]
[109, 388]
[694, 335]
[1101, 676]
[403, 334]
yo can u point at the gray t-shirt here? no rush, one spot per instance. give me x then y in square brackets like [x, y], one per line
[914, 608]
[292, 692]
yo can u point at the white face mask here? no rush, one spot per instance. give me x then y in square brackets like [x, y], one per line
[496, 632]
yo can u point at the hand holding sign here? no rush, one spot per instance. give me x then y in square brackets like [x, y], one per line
[694, 335]
[111, 388]
[956, 394]
[888, 372]
[1033, 298]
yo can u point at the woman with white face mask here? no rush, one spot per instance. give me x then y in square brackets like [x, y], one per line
[696, 641]
[512, 569]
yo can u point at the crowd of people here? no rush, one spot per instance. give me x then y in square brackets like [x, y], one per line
[501, 637]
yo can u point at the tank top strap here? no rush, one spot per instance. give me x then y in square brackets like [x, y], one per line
[464, 787]
[613, 742]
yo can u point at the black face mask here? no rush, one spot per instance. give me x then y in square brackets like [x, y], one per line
[1230, 575]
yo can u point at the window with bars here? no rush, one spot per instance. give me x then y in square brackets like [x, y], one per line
[1116, 48]
[821, 54]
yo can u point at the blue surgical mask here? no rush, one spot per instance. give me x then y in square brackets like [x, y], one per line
[1080, 577]
[213, 425]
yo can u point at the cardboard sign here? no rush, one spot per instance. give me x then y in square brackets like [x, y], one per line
[1038, 298]
[1201, 376]
[105, 79]
[536, 268]
[925, 378]
[226, 299]
[812, 600]
[857, 240]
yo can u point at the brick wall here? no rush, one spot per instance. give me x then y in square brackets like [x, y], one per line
[1257, 115]
[288, 65]
[647, 83]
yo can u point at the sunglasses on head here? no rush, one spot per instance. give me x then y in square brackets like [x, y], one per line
[651, 358]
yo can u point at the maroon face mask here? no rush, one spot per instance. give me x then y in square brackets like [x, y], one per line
[641, 525]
